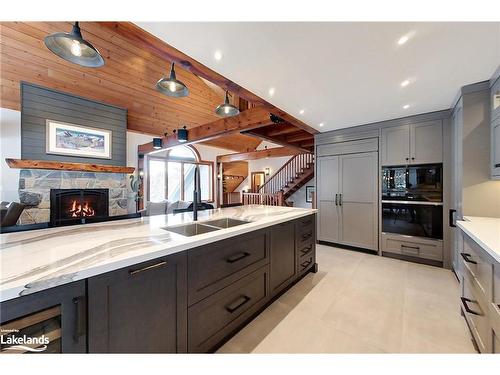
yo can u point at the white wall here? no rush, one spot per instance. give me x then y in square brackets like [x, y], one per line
[10, 147]
[299, 197]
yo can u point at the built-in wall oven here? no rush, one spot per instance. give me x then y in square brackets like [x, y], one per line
[412, 200]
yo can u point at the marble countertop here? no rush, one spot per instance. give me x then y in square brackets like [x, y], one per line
[36, 260]
[485, 231]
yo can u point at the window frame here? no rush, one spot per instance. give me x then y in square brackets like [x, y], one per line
[182, 162]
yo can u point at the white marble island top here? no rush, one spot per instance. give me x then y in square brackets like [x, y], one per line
[36, 260]
[485, 231]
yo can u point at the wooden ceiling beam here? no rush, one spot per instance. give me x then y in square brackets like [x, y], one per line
[281, 129]
[302, 136]
[247, 120]
[280, 140]
[151, 43]
[259, 154]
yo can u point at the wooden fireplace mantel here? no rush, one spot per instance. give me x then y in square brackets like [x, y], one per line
[57, 165]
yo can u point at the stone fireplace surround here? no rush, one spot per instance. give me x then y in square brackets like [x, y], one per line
[35, 185]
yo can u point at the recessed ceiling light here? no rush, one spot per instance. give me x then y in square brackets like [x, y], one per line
[405, 83]
[321, 125]
[403, 40]
[218, 55]
[406, 106]
[272, 91]
[301, 111]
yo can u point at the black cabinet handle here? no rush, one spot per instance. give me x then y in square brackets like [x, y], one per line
[80, 314]
[465, 302]
[236, 257]
[336, 199]
[411, 247]
[340, 199]
[306, 263]
[497, 165]
[306, 250]
[156, 265]
[467, 259]
[306, 236]
[451, 218]
[233, 306]
[407, 158]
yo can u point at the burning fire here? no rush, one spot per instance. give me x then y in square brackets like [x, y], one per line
[78, 210]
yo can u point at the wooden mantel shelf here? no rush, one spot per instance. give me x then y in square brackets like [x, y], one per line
[57, 165]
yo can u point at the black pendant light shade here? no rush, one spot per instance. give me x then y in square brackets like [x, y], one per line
[226, 109]
[171, 86]
[73, 48]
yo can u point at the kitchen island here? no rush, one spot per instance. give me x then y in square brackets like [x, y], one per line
[139, 285]
[480, 280]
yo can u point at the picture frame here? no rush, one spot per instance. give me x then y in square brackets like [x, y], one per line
[77, 140]
[309, 193]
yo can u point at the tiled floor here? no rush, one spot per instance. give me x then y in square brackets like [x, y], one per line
[360, 303]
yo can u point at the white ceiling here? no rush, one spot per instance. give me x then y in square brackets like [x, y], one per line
[343, 74]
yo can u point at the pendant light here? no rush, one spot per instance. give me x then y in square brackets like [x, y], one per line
[171, 86]
[226, 109]
[73, 48]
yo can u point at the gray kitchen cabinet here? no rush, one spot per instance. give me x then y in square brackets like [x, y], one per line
[426, 142]
[395, 145]
[327, 179]
[347, 199]
[358, 197]
[495, 148]
[283, 257]
[418, 143]
[140, 309]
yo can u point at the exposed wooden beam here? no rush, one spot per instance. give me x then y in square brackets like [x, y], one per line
[282, 129]
[302, 136]
[247, 120]
[307, 144]
[149, 42]
[280, 140]
[259, 154]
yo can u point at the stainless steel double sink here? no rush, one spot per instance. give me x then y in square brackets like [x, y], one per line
[193, 229]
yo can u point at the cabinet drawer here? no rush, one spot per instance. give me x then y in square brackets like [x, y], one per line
[415, 247]
[476, 313]
[306, 249]
[214, 318]
[481, 270]
[306, 262]
[213, 267]
[304, 230]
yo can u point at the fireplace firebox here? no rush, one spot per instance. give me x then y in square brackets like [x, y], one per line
[78, 206]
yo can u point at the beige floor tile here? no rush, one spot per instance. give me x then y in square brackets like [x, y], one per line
[361, 303]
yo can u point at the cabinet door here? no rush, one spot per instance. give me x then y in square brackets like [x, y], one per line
[358, 200]
[495, 148]
[140, 309]
[456, 185]
[327, 189]
[58, 313]
[395, 145]
[426, 142]
[283, 256]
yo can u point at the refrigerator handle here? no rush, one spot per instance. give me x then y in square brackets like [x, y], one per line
[451, 218]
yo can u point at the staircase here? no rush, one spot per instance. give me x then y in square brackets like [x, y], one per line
[290, 177]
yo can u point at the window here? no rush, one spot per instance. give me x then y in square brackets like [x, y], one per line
[171, 176]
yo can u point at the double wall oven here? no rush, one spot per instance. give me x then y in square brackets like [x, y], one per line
[412, 200]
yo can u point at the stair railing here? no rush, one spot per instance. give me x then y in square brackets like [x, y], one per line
[287, 173]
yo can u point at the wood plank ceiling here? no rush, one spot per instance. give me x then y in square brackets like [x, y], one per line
[127, 79]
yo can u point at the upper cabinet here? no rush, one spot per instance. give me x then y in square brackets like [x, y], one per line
[495, 129]
[419, 143]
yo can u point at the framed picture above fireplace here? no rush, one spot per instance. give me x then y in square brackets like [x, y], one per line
[76, 140]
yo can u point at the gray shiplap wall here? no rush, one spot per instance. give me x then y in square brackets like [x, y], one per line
[40, 103]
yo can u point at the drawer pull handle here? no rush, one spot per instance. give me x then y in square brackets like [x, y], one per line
[466, 306]
[232, 307]
[236, 257]
[411, 247]
[156, 265]
[306, 236]
[467, 259]
[306, 263]
[79, 303]
[306, 250]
